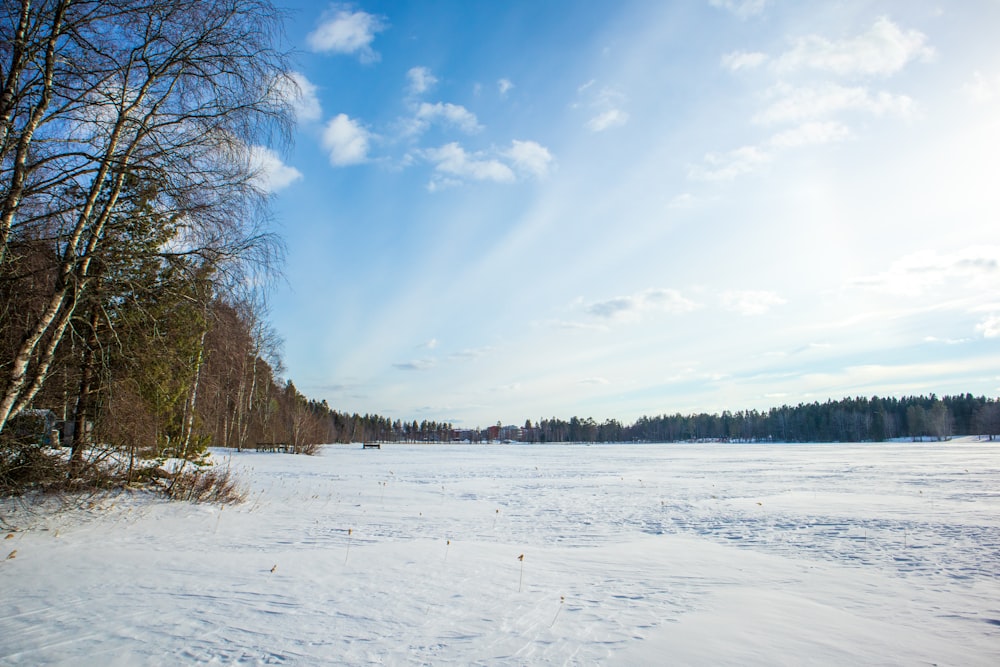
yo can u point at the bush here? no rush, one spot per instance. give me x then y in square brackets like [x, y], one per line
[205, 485]
[26, 466]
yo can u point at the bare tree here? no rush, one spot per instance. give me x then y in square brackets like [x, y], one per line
[95, 92]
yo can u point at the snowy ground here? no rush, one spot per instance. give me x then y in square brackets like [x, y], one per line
[644, 554]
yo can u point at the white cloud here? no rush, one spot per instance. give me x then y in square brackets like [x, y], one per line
[727, 166]
[885, 49]
[803, 103]
[453, 160]
[504, 86]
[343, 30]
[607, 119]
[454, 164]
[270, 173]
[738, 60]
[346, 141]
[915, 274]
[634, 306]
[451, 114]
[750, 302]
[990, 327]
[818, 112]
[741, 8]
[299, 92]
[530, 157]
[421, 80]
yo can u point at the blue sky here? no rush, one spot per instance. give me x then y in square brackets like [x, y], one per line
[523, 209]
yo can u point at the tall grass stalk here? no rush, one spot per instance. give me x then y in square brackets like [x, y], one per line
[562, 601]
[521, 578]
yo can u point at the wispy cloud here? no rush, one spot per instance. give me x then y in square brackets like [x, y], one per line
[634, 306]
[916, 274]
[426, 363]
[504, 86]
[810, 134]
[794, 104]
[746, 159]
[738, 60]
[750, 302]
[950, 341]
[818, 112]
[470, 354]
[347, 31]
[881, 51]
[729, 165]
[346, 141]
[575, 326]
[607, 119]
[885, 49]
[743, 9]
[415, 365]
[606, 103]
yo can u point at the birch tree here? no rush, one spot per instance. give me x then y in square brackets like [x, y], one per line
[95, 92]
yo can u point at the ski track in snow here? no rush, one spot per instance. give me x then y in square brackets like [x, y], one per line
[633, 554]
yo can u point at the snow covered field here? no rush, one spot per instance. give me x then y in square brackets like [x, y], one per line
[632, 554]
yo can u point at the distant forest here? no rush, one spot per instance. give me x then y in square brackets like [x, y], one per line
[847, 420]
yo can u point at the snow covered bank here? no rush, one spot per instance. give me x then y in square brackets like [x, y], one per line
[633, 554]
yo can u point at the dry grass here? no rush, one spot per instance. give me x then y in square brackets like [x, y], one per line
[311, 449]
[206, 485]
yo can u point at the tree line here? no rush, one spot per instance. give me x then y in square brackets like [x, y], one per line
[857, 419]
[135, 251]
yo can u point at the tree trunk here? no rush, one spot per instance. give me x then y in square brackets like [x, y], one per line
[84, 403]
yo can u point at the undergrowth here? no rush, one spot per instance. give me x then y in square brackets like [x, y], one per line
[26, 467]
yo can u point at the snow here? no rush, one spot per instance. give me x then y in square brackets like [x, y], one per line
[633, 554]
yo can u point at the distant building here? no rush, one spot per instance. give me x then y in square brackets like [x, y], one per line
[511, 433]
[37, 426]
